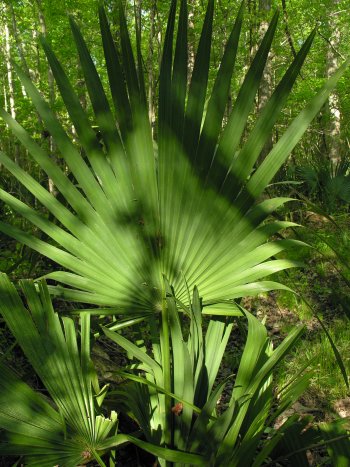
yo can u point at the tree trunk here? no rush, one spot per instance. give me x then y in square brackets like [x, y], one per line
[17, 39]
[11, 91]
[191, 37]
[286, 29]
[334, 115]
[18, 42]
[265, 89]
[51, 87]
[151, 111]
[267, 78]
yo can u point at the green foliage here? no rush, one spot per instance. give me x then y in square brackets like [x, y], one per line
[69, 427]
[323, 293]
[181, 423]
[326, 375]
[328, 186]
[185, 415]
[140, 220]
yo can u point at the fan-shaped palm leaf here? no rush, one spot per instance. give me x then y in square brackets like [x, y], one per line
[185, 205]
[70, 433]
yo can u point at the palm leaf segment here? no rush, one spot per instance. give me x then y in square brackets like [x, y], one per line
[72, 433]
[184, 206]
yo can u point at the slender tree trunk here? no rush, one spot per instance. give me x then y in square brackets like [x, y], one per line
[35, 73]
[50, 78]
[6, 106]
[19, 44]
[334, 115]
[11, 91]
[151, 111]
[11, 98]
[51, 87]
[267, 78]
[158, 36]
[21, 53]
[286, 29]
[191, 39]
[266, 84]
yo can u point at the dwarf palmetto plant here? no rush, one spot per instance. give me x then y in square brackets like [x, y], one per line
[66, 428]
[183, 209]
[328, 185]
[245, 431]
[187, 417]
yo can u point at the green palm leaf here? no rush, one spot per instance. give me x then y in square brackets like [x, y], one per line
[182, 205]
[70, 433]
[32, 426]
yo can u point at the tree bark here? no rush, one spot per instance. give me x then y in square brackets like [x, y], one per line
[191, 37]
[266, 85]
[334, 114]
[51, 88]
[267, 78]
[17, 39]
[11, 91]
[286, 29]
[151, 111]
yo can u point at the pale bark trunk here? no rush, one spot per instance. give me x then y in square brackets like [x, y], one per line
[6, 107]
[151, 111]
[19, 43]
[11, 91]
[21, 53]
[51, 86]
[191, 39]
[11, 98]
[334, 115]
[266, 85]
[159, 36]
[50, 78]
[35, 74]
[267, 78]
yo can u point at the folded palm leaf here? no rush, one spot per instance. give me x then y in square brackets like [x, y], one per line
[62, 430]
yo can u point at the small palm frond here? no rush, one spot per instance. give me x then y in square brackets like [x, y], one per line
[327, 182]
[185, 203]
[309, 175]
[66, 430]
[338, 188]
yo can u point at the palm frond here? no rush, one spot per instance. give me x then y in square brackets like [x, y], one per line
[66, 430]
[186, 204]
